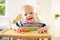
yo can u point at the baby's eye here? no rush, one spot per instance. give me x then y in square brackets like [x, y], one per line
[31, 13]
[25, 15]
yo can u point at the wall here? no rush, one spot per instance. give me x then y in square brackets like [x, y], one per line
[55, 8]
[4, 22]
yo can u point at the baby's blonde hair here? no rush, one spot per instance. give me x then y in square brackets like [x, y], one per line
[28, 8]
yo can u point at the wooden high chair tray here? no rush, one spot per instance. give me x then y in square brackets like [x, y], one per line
[13, 33]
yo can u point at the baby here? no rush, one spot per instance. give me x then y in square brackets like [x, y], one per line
[29, 19]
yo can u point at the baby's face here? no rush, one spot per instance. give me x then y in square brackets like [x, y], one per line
[29, 16]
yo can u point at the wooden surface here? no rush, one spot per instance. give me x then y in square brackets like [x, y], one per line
[34, 34]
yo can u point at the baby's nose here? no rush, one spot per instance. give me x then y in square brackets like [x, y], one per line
[29, 15]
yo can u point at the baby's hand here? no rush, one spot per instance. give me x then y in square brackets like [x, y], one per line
[42, 30]
[21, 30]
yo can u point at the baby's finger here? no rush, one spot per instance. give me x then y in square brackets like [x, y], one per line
[44, 31]
[40, 31]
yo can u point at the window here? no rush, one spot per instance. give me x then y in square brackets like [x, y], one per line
[2, 7]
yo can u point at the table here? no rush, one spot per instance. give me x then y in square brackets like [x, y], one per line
[33, 34]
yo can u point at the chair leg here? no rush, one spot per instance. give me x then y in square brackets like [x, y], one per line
[49, 38]
[42, 38]
[38, 39]
[9, 38]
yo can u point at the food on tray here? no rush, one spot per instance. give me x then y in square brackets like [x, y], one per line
[31, 28]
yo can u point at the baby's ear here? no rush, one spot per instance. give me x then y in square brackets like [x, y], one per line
[36, 14]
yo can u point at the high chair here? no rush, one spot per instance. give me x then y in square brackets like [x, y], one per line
[33, 34]
[19, 17]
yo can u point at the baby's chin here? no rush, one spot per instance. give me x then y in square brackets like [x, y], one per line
[29, 21]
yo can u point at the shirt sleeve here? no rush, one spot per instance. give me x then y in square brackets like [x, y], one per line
[19, 23]
[43, 24]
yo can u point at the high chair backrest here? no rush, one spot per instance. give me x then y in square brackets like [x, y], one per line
[19, 17]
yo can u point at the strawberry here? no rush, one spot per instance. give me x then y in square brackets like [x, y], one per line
[24, 30]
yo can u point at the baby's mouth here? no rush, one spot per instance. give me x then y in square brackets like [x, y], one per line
[30, 18]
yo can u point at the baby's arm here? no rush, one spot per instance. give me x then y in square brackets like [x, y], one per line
[18, 25]
[19, 29]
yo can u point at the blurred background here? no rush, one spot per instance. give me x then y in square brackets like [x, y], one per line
[47, 10]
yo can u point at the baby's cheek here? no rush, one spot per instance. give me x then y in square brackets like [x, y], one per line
[34, 16]
[24, 17]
